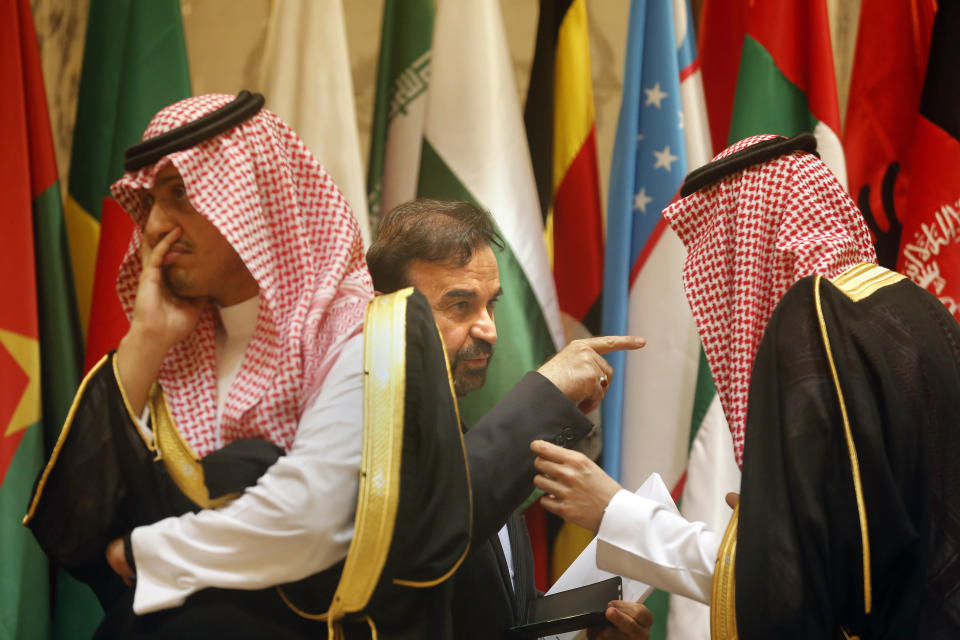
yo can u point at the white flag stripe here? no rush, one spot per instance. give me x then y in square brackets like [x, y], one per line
[661, 377]
[490, 157]
[711, 473]
[305, 76]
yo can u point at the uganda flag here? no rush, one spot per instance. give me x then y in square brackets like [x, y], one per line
[930, 245]
[39, 341]
[134, 64]
[559, 119]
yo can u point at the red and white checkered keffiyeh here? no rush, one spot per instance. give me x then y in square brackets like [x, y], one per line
[749, 237]
[278, 208]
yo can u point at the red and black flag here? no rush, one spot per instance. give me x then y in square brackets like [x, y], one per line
[930, 244]
[892, 47]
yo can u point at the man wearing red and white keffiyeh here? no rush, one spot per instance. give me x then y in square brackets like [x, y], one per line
[749, 236]
[245, 285]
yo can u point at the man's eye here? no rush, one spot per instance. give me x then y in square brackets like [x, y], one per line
[179, 192]
[462, 307]
[146, 201]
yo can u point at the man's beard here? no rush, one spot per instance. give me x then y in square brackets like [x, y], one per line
[466, 378]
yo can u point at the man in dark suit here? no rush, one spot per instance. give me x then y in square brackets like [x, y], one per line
[445, 250]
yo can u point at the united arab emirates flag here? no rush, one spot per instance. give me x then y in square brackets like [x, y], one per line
[134, 64]
[39, 337]
[778, 56]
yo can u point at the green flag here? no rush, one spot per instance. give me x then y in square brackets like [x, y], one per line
[134, 64]
[475, 149]
[398, 113]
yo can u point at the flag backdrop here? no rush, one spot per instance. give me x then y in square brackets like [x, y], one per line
[930, 247]
[39, 334]
[474, 149]
[662, 134]
[768, 68]
[403, 76]
[305, 77]
[891, 57]
[559, 119]
[778, 56]
[134, 64]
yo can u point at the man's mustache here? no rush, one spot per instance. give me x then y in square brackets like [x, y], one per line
[478, 349]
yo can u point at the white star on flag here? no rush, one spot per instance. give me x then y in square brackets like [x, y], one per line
[654, 96]
[641, 200]
[664, 158]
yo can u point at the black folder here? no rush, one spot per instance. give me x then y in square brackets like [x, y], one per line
[569, 610]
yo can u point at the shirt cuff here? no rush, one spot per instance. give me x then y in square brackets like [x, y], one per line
[646, 540]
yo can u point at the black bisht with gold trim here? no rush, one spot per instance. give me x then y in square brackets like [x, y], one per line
[849, 518]
[414, 509]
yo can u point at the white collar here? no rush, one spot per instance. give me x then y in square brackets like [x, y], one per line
[240, 320]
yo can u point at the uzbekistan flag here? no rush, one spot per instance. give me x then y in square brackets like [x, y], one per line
[652, 419]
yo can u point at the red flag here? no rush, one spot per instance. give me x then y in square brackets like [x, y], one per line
[930, 244]
[723, 26]
[892, 47]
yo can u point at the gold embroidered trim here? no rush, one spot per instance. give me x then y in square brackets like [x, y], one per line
[723, 609]
[300, 612]
[134, 418]
[178, 457]
[864, 280]
[852, 450]
[384, 385]
[463, 449]
[62, 438]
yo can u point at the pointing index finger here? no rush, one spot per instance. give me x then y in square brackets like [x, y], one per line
[606, 344]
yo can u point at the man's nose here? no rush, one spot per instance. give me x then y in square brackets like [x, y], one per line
[158, 224]
[484, 328]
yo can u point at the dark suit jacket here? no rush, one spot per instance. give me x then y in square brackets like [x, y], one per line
[501, 476]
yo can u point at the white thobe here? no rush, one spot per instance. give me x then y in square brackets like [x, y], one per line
[296, 521]
[645, 540]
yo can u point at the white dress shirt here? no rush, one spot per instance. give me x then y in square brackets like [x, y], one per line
[296, 521]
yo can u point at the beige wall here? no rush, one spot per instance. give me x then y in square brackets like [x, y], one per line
[225, 40]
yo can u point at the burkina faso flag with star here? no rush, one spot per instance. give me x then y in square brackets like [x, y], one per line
[39, 340]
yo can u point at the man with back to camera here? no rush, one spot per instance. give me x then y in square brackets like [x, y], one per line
[246, 287]
[445, 250]
[839, 381]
